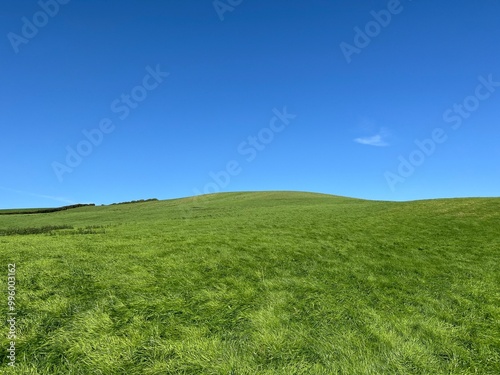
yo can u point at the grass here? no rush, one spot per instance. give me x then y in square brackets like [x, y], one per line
[37, 230]
[257, 283]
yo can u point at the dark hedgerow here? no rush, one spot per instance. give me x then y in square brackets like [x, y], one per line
[27, 231]
[46, 210]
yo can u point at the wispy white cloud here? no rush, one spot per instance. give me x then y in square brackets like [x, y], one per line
[377, 140]
[50, 197]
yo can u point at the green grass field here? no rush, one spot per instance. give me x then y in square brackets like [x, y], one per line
[256, 283]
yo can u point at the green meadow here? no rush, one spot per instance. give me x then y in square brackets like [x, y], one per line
[255, 283]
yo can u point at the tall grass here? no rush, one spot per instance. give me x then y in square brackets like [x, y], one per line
[259, 283]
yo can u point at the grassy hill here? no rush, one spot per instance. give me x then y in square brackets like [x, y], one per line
[256, 283]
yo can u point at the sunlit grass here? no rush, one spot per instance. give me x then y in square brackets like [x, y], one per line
[258, 283]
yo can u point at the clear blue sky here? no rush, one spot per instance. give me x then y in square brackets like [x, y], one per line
[352, 105]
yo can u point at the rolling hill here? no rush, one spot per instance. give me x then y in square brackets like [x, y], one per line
[256, 283]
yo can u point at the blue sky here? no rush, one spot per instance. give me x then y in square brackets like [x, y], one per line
[108, 101]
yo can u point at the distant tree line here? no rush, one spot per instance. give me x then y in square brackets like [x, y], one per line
[138, 201]
[45, 210]
[63, 208]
